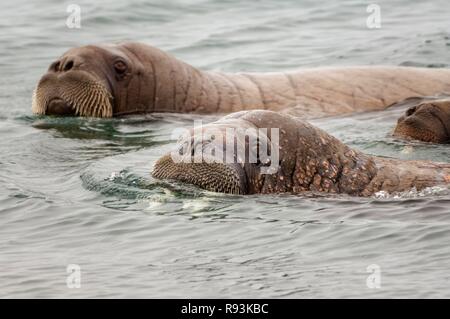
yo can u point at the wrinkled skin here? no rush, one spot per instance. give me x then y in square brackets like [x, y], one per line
[310, 160]
[115, 79]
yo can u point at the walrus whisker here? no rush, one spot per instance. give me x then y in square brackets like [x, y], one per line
[77, 91]
[96, 107]
[86, 103]
[89, 99]
[38, 101]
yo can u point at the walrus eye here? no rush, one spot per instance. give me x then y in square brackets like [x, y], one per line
[120, 67]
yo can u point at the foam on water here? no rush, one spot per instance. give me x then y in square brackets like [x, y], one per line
[414, 193]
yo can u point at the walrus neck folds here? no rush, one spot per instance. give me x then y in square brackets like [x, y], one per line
[166, 84]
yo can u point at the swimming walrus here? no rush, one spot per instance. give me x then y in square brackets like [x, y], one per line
[117, 79]
[230, 156]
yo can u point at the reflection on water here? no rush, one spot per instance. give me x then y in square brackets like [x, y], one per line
[79, 191]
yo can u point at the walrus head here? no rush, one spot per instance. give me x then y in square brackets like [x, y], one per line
[270, 153]
[95, 81]
[427, 121]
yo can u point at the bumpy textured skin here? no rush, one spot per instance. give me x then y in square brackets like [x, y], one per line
[158, 82]
[310, 160]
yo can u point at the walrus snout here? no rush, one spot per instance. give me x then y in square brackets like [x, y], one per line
[65, 90]
[215, 177]
[428, 122]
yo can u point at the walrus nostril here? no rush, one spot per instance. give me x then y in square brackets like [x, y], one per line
[411, 111]
[68, 65]
[55, 66]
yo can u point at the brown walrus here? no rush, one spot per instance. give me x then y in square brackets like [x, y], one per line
[426, 119]
[308, 159]
[116, 79]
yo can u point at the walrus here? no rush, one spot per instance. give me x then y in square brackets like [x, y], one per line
[309, 159]
[426, 119]
[108, 80]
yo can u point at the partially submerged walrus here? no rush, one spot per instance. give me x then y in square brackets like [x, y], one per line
[116, 79]
[426, 119]
[307, 159]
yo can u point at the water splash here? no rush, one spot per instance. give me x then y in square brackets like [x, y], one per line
[414, 193]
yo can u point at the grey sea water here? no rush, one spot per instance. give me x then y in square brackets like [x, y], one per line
[79, 191]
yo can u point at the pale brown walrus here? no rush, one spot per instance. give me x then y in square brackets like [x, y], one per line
[308, 159]
[116, 79]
